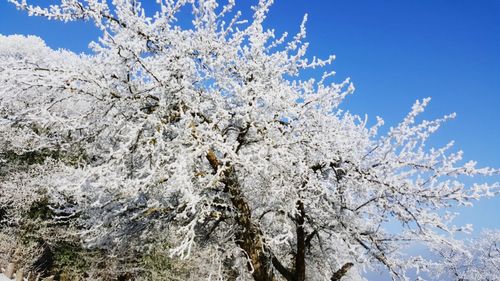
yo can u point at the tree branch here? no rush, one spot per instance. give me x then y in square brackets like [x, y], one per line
[341, 272]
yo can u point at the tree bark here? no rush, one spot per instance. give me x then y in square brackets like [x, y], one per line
[300, 258]
[285, 272]
[249, 236]
[341, 272]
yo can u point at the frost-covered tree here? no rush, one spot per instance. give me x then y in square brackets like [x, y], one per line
[481, 260]
[204, 137]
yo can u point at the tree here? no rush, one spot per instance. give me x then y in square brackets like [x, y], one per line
[208, 134]
[480, 262]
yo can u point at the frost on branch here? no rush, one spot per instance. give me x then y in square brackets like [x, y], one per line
[202, 145]
[474, 259]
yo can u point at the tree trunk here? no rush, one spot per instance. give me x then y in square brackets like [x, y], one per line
[249, 237]
[300, 258]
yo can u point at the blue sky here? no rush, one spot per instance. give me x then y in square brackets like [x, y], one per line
[395, 51]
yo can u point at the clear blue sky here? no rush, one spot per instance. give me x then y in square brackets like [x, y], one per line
[395, 51]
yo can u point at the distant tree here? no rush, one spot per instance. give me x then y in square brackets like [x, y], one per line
[473, 259]
[205, 135]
